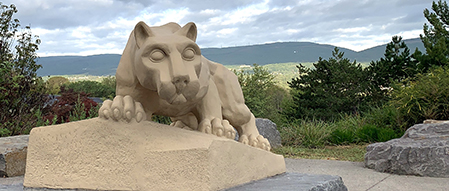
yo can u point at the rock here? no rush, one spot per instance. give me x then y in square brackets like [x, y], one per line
[13, 155]
[296, 182]
[422, 151]
[268, 129]
[98, 154]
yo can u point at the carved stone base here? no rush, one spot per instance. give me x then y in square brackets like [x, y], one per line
[97, 154]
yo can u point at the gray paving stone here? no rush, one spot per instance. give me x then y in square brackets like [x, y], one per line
[295, 181]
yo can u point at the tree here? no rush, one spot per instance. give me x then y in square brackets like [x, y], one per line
[262, 96]
[436, 37]
[396, 65]
[21, 90]
[93, 88]
[332, 87]
[54, 84]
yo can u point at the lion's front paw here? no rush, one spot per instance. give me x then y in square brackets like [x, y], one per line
[122, 108]
[256, 141]
[218, 127]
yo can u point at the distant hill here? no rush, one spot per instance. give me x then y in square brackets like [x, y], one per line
[281, 52]
[97, 65]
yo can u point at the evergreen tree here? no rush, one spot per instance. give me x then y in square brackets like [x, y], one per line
[396, 65]
[436, 37]
[332, 87]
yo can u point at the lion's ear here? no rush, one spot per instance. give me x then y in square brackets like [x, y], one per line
[141, 32]
[188, 30]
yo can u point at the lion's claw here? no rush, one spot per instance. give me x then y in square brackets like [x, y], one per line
[218, 127]
[256, 141]
[122, 109]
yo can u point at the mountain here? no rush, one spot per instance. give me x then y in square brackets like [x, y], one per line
[281, 52]
[97, 65]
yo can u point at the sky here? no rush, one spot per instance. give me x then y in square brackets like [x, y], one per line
[88, 27]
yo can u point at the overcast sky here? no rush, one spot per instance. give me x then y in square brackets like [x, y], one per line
[86, 27]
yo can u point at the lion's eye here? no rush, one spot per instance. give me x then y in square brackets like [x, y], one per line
[157, 55]
[188, 54]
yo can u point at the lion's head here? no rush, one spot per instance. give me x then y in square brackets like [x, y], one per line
[168, 60]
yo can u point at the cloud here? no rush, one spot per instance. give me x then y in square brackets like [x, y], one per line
[103, 26]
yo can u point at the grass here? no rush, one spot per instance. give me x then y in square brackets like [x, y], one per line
[353, 153]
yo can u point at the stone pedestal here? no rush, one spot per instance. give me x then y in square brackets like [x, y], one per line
[97, 154]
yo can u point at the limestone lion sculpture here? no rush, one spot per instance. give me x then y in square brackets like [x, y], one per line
[162, 72]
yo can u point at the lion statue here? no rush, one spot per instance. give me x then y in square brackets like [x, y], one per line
[162, 72]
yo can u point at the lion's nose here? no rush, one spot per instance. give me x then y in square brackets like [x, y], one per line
[180, 82]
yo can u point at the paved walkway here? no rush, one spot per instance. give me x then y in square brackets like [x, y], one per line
[358, 178]
[355, 177]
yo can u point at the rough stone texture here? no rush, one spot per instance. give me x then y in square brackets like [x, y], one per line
[296, 182]
[268, 129]
[422, 151]
[99, 154]
[13, 155]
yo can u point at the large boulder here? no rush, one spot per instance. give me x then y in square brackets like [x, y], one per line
[268, 129]
[422, 151]
[98, 154]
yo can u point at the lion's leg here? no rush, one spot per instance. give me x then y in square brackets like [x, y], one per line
[188, 121]
[244, 121]
[235, 110]
[210, 117]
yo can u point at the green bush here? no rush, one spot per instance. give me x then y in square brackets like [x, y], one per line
[311, 134]
[424, 98]
[21, 90]
[386, 117]
[109, 81]
[342, 136]
[386, 134]
[54, 84]
[94, 89]
[370, 133]
[345, 128]
[262, 96]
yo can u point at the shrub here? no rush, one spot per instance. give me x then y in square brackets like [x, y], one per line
[161, 119]
[21, 90]
[386, 117]
[109, 81]
[54, 84]
[424, 98]
[345, 128]
[94, 89]
[311, 134]
[262, 96]
[342, 136]
[71, 106]
[370, 133]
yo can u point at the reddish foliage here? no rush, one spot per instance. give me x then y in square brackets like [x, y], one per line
[65, 105]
